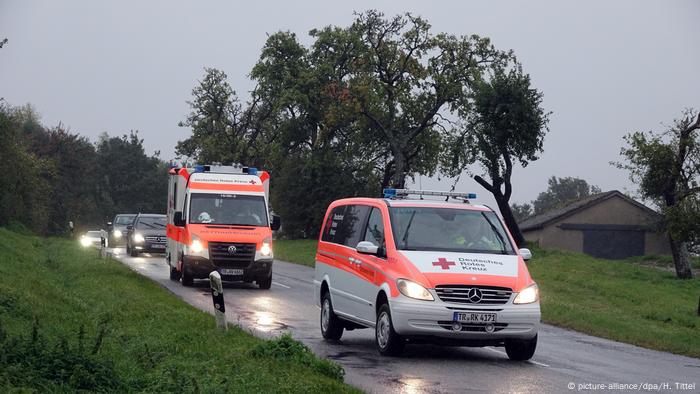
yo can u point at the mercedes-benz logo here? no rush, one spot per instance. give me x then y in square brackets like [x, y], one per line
[232, 250]
[474, 295]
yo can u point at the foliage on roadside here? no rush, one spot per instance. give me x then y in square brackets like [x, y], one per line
[286, 349]
[52, 176]
[71, 321]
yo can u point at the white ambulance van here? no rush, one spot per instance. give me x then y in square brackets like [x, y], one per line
[219, 220]
[422, 270]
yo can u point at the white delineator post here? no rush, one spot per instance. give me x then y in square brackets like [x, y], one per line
[217, 296]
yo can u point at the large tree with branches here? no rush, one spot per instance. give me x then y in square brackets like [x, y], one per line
[666, 166]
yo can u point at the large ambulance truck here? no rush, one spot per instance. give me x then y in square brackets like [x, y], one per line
[218, 220]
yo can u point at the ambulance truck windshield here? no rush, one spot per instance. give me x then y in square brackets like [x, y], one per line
[231, 209]
[449, 230]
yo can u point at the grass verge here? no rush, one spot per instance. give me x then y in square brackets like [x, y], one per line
[619, 300]
[300, 251]
[70, 321]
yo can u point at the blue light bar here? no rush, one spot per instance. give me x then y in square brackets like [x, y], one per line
[471, 196]
[389, 193]
[199, 168]
[252, 171]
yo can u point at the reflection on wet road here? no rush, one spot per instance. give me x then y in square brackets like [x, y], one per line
[562, 357]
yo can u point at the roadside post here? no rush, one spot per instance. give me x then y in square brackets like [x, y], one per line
[217, 296]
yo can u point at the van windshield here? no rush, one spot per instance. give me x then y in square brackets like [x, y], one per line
[449, 230]
[229, 209]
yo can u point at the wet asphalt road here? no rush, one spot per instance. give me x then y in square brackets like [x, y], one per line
[563, 357]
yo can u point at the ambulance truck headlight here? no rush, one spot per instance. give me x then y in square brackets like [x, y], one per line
[266, 247]
[85, 241]
[529, 295]
[138, 238]
[413, 290]
[118, 233]
[196, 246]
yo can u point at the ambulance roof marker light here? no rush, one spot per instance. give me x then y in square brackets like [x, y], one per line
[392, 193]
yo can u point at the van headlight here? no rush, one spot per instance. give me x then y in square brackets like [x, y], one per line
[118, 233]
[196, 246]
[138, 238]
[413, 290]
[266, 247]
[85, 241]
[528, 295]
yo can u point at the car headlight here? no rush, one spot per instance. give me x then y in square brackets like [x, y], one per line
[85, 241]
[528, 295]
[196, 246]
[118, 233]
[413, 290]
[266, 248]
[138, 238]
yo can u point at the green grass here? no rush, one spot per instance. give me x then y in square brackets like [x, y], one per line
[70, 321]
[662, 261]
[619, 300]
[300, 251]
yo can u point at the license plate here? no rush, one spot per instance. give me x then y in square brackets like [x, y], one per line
[158, 246]
[474, 317]
[231, 271]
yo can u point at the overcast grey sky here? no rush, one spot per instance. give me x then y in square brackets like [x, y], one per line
[605, 67]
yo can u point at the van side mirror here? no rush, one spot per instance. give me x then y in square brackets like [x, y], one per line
[366, 247]
[525, 253]
[178, 220]
[276, 223]
[109, 224]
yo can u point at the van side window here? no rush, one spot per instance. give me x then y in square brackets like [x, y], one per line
[375, 229]
[345, 225]
[333, 225]
[354, 224]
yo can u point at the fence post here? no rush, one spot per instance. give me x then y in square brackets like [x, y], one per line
[217, 296]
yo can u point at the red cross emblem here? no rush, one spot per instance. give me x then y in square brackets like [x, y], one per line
[442, 262]
[252, 181]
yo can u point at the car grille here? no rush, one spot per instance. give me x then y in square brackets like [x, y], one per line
[220, 256]
[491, 295]
[155, 239]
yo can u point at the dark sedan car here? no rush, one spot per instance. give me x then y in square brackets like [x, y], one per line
[117, 229]
[146, 234]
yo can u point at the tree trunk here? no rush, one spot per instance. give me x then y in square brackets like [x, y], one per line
[399, 178]
[679, 250]
[509, 218]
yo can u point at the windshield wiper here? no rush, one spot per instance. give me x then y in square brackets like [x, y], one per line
[498, 234]
[408, 227]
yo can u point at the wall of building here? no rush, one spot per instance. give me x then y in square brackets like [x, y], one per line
[614, 210]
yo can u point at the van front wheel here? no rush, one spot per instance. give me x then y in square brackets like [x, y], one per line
[521, 350]
[389, 343]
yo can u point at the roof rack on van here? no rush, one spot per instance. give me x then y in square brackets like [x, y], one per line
[403, 193]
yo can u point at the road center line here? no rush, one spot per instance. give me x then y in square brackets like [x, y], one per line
[279, 284]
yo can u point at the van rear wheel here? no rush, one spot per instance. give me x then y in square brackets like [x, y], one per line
[331, 326]
[389, 343]
[521, 350]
